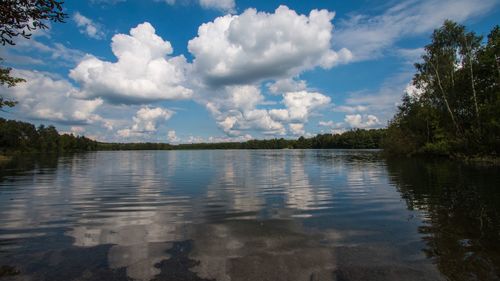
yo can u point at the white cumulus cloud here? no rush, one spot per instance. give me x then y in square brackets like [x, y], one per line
[352, 121]
[48, 98]
[142, 74]
[235, 110]
[297, 129]
[361, 122]
[88, 27]
[287, 85]
[146, 121]
[301, 104]
[172, 136]
[247, 48]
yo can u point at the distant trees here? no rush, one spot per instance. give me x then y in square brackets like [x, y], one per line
[348, 140]
[22, 136]
[25, 137]
[456, 108]
[21, 18]
[133, 146]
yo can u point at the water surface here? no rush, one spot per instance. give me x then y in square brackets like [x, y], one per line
[247, 215]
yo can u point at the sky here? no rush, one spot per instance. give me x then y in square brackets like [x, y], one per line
[185, 71]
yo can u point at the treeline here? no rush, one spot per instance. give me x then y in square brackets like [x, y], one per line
[360, 139]
[455, 109]
[25, 137]
[133, 146]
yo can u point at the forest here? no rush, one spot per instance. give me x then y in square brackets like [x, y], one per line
[16, 136]
[25, 137]
[361, 139]
[455, 107]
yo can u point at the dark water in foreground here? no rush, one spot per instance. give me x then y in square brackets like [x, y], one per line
[247, 215]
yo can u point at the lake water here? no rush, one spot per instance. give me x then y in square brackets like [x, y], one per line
[247, 215]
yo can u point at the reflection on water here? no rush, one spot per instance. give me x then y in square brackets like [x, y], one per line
[461, 215]
[247, 215]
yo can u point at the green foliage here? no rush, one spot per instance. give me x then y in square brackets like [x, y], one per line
[457, 110]
[8, 103]
[436, 148]
[133, 146]
[22, 136]
[21, 17]
[9, 81]
[6, 78]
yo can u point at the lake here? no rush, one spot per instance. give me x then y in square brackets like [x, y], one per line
[247, 215]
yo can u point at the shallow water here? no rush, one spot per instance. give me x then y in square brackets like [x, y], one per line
[247, 215]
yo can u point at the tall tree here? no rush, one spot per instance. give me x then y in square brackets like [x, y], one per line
[458, 108]
[21, 18]
[468, 50]
[448, 59]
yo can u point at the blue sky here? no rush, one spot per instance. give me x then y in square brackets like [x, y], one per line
[224, 70]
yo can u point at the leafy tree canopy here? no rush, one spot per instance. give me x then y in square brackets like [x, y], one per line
[456, 108]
